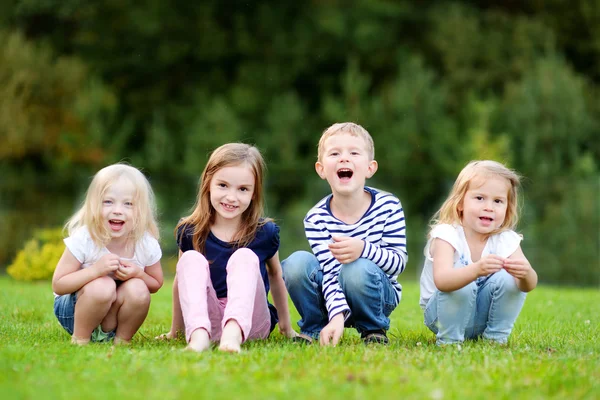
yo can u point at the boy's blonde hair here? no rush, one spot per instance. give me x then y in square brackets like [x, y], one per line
[90, 213]
[204, 214]
[350, 128]
[449, 212]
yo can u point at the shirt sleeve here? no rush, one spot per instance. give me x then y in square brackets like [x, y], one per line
[185, 238]
[78, 244]
[445, 232]
[319, 238]
[390, 252]
[508, 243]
[152, 249]
[273, 239]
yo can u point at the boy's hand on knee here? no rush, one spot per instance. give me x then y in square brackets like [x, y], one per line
[331, 334]
[346, 249]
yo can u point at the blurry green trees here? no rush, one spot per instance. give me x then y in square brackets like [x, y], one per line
[162, 84]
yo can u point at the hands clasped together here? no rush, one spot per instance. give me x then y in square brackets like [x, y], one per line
[123, 269]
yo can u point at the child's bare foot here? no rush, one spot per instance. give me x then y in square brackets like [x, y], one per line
[231, 338]
[79, 341]
[199, 341]
[121, 342]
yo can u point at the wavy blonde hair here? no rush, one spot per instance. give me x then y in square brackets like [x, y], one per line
[204, 214]
[90, 213]
[349, 128]
[449, 212]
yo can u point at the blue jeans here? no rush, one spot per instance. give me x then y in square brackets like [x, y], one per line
[64, 310]
[488, 307]
[368, 291]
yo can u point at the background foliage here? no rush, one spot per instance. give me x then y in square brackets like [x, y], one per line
[161, 84]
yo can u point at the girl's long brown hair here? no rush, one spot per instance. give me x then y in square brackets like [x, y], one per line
[203, 214]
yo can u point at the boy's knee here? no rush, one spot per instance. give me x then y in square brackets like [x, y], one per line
[354, 275]
[297, 266]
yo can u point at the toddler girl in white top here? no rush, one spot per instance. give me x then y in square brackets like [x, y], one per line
[111, 263]
[475, 275]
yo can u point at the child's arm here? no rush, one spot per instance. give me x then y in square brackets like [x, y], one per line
[177, 324]
[319, 239]
[518, 266]
[335, 301]
[69, 277]
[447, 278]
[280, 297]
[152, 275]
[389, 253]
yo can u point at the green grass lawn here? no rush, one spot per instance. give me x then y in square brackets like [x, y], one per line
[553, 352]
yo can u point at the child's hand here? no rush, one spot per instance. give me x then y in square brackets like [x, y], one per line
[490, 264]
[106, 264]
[127, 270]
[332, 332]
[517, 267]
[346, 249]
[288, 332]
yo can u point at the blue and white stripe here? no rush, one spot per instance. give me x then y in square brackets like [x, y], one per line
[382, 228]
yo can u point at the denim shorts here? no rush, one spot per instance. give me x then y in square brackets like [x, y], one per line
[64, 309]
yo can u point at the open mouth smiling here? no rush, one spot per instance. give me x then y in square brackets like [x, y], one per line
[345, 173]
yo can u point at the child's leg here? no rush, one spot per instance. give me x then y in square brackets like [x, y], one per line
[129, 311]
[94, 301]
[200, 308]
[246, 314]
[449, 313]
[499, 302]
[369, 293]
[177, 317]
[304, 282]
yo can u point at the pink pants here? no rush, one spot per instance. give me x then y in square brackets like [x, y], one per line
[246, 301]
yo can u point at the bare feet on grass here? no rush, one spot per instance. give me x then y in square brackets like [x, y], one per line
[79, 341]
[121, 342]
[199, 341]
[231, 338]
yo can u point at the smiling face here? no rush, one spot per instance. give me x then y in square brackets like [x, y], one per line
[345, 164]
[231, 192]
[118, 209]
[484, 206]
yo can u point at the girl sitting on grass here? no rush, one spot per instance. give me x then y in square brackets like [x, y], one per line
[228, 258]
[475, 275]
[111, 263]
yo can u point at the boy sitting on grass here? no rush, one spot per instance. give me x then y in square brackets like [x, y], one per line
[358, 237]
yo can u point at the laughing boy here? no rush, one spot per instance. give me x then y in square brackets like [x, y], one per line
[358, 238]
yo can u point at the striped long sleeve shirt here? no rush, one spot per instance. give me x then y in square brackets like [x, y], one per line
[382, 228]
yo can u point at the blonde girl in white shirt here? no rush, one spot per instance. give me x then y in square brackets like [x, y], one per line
[475, 275]
[111, 263]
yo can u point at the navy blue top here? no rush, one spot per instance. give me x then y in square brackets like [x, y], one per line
[217, 252]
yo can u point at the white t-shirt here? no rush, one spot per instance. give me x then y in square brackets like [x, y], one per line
[147, 250]
[503, 244]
